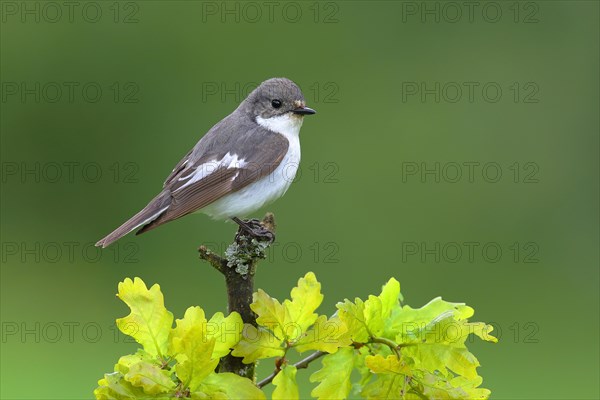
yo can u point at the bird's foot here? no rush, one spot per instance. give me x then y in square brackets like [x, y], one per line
[255, 229]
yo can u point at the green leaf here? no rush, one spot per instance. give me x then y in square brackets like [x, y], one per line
[441, 344]
[149, 322]
[437, 357]
[367, 319]
[114, 387]
[393, 375]
[334, 377]
[192, 318]
[292, 323]
[387, 365]
[257, 343]
[227, 332]
[469, 387]
[286, 386]
[361, 367]
[194, 358]
[386, 386]
[353, 316]
[270, 313]
[192, 349]
[150, 377]
[228, 386]
[306, 298]
[406, 319]
[326, 335]
[390, 297]
[125, 362]
[436, 386]
[379, 308]
[373, 316]
[288, 321]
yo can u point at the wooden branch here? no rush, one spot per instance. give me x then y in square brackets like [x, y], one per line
[304, 363]
[218, 262]
[239, 266]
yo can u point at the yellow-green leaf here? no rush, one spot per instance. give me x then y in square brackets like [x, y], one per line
[149, 322]
[270, 313]
[447, 327]
[150, 377]
[286, 387]
[483, 331]
[361, 367]
[306, 298]
[114, 387]
[228, 386]
[433, 357]
[125, 362]
[406, 319]
[390, 297]
[225, 331]
[373, 315]
[334, 377]
[193, 352]
[386, 387]
[192, 318]
[256, 344]
[377, 309]
[435, 386]
[387, 365]
[353, 316]
[326, 335]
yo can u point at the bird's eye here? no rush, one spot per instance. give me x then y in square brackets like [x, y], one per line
[276, 103]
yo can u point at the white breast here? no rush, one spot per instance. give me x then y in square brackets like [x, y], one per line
[269, 188]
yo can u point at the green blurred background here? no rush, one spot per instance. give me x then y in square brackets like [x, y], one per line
[149, 78]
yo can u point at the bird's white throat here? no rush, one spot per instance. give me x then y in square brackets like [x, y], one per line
[287, 124]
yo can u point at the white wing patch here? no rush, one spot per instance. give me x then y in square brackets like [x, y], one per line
[203, 170]
[182, 164]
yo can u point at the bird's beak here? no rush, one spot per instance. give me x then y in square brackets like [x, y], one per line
[302, 110]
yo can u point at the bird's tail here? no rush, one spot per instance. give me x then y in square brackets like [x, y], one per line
[153, 210]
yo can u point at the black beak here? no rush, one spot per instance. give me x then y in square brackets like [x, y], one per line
[304, 111]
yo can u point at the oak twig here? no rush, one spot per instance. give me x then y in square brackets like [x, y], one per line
[218, 262]
[238, 266]
[389, 343]
[304, 363]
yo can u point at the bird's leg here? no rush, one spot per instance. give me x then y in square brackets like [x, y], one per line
[254, 228]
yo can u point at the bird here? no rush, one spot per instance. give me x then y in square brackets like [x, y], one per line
[245, 161]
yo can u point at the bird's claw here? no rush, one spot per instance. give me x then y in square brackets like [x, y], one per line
[253, 228]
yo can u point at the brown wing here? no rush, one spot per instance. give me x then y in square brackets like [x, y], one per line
[181, 165]
[186, 199]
